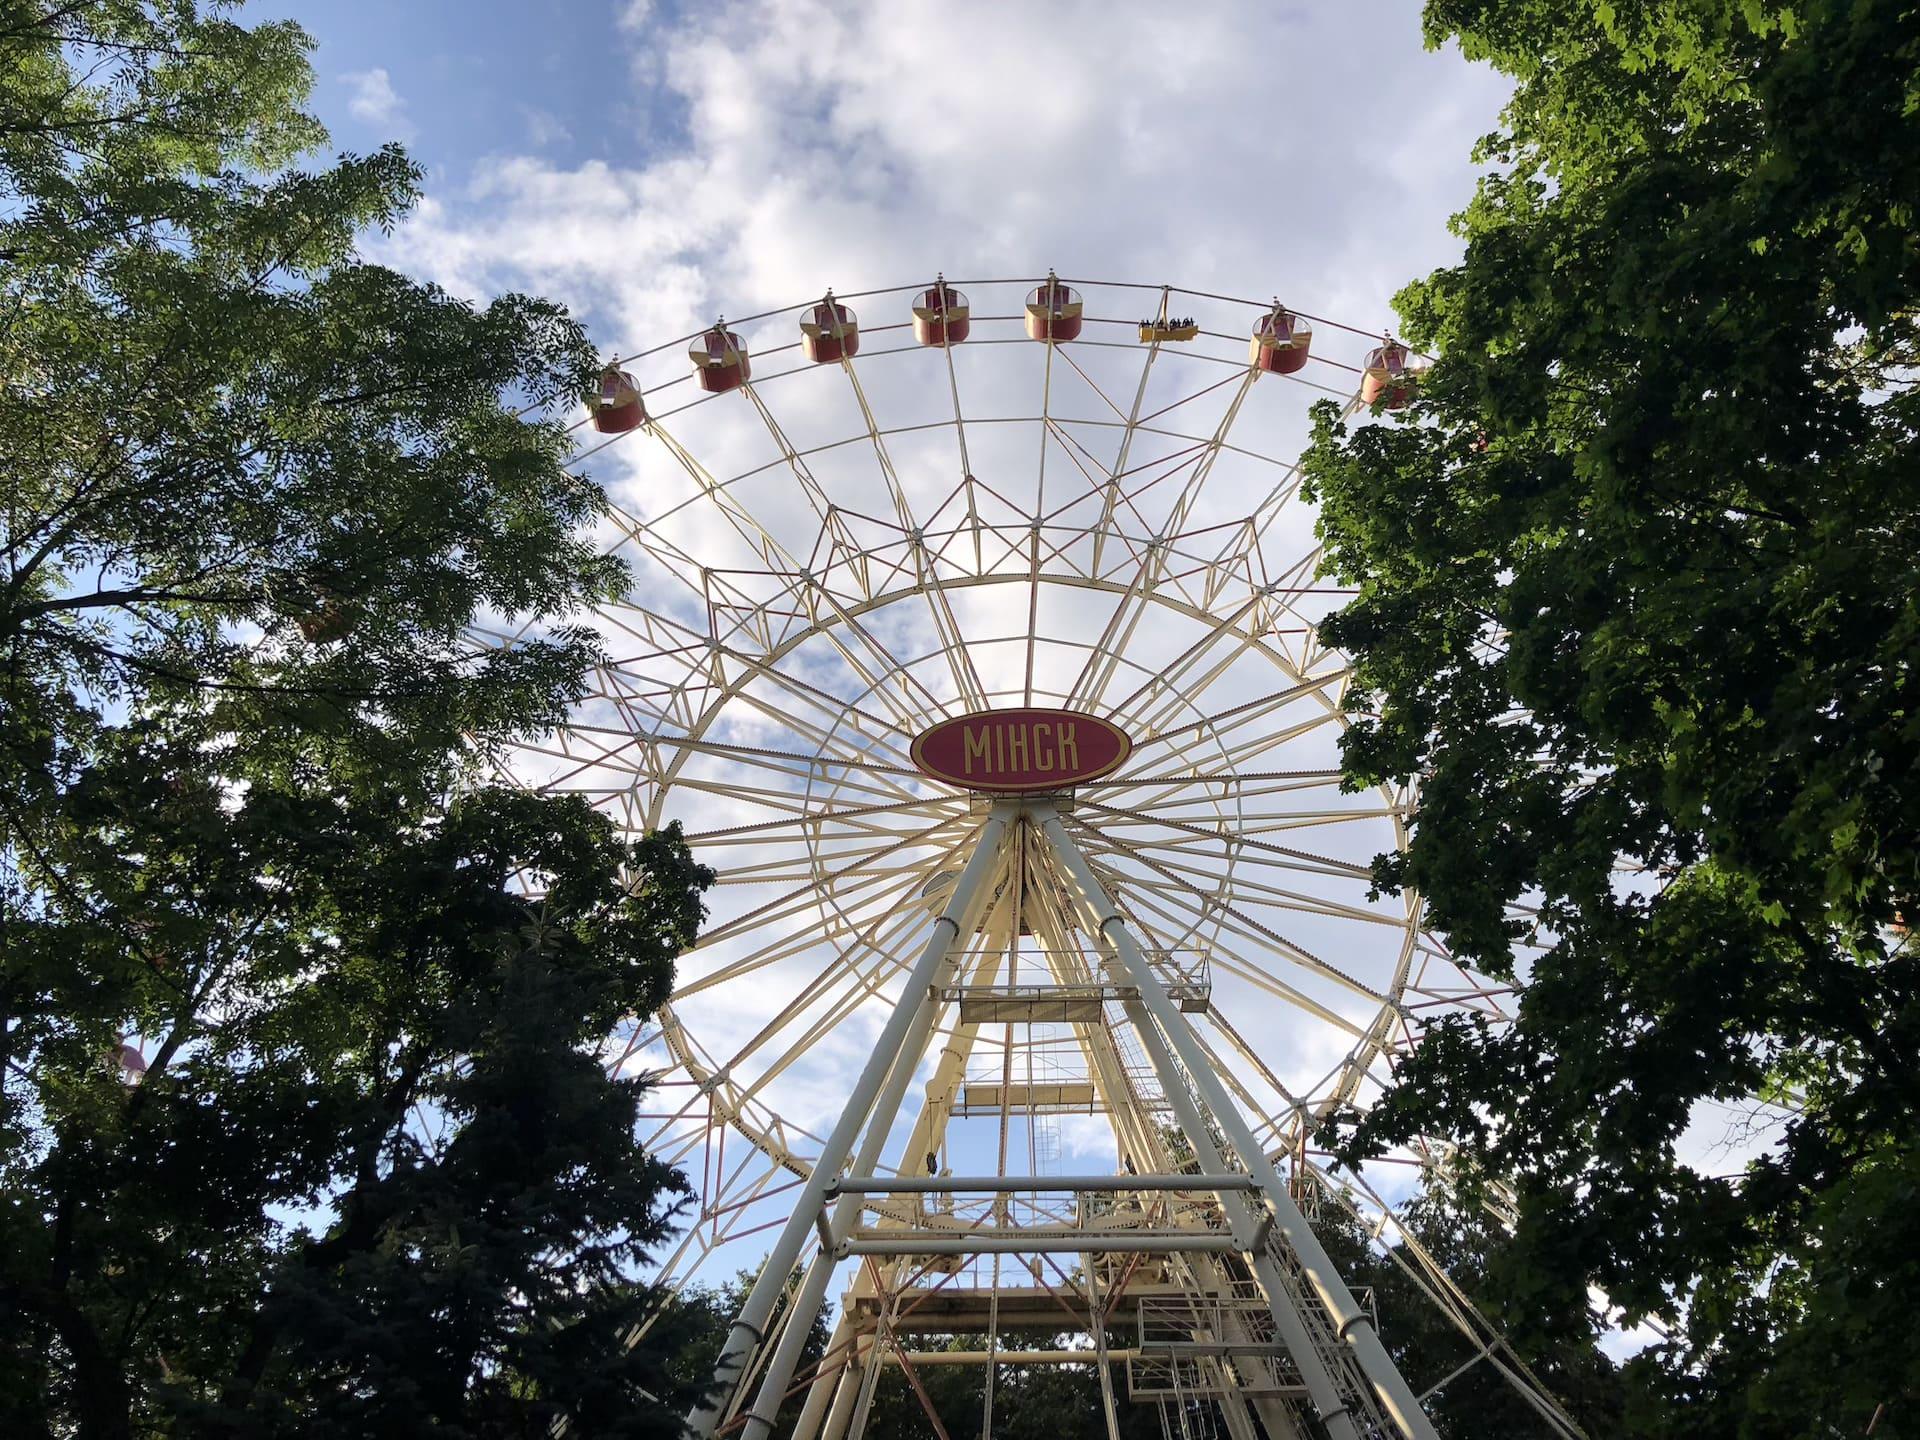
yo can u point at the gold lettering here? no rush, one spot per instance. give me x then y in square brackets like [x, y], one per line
[1042, 745]
[1017, 747]
[999, 749]
[977, 740]
[1069, 747]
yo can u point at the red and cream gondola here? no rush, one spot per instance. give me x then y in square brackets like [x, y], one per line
[829, 332]
[719, 359]
[1280, 342]
[1053, 311]
[940, 315]
[616, 406]
[1389, 378]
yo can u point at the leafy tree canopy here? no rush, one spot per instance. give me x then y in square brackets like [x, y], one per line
[301, 1125]
[1638, 602]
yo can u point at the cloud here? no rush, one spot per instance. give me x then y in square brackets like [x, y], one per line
[1314, 152]
[544, 128]
[375, 102]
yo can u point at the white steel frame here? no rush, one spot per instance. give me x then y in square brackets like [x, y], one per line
[811, 596]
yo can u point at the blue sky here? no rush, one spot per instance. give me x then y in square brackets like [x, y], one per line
[473, 79]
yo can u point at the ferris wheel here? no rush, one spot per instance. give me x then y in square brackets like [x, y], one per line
[972, 637]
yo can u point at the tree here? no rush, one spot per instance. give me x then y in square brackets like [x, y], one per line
[1638, 603]
[1030, 1402]
[700, 1316]
[1473, 1398]
[301, 1124]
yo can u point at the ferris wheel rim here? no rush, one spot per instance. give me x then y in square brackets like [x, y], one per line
[710, 1075]
[910, 287]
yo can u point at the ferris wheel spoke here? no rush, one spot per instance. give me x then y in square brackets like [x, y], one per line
[1095, 474]
[1257, 1109]
[1246, 890]
[648, 539]
[1090, 690]
[770, 550]
[860, 815]
[871, 738]
[1230, 916]
[791, 764]
[966, 679]
[1213, 788]
[808, 589]
[1250, 751]
[1111, 489]
[1304, 859]
[1245, 732]
[807, 896]
[843, 965]
[827, 705]
[968, 484]
[740, 787]
[1258, 1062]
[1162, 682]
[1260, 978]
[843, 550]
[1238, 717]
[1237, 832]
[861, 982]
[793, 944]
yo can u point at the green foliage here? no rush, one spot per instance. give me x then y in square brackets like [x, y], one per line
[699, 1317]
[1030, 1402]
[229, 443]
[1639, 604]
[1429, 1349]
[373, 1180]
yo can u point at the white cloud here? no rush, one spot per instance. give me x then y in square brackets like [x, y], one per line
[375, 102]
[544, 128]
[1314, 152]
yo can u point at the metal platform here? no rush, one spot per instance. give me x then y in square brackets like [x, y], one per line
[1034, 1004]
[1076, 1096]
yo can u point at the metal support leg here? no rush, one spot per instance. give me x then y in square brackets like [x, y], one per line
[820, 1392]
[1392, 1390]
[1133, 1136]
[1286, 1319]
[847, 1394]
[885, 1064]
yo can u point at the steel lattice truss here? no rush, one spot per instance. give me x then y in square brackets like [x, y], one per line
[833, 557]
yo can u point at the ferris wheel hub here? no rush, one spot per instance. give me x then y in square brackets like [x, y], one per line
[1028, 750]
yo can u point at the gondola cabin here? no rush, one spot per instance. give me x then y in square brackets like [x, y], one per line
[1053, 312]
[829, 332]
[1165, 330]
[719, 360]
[940, 315]
[132, 1064]
[616, 406]
[1280, 342]
[1389, 377]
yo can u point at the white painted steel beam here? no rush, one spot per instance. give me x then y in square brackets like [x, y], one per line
[1391, 1388]
[1120, 1242]
[1021, 1184]
[884, 1064]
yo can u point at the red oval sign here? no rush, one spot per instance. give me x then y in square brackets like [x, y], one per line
[1018, 750]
